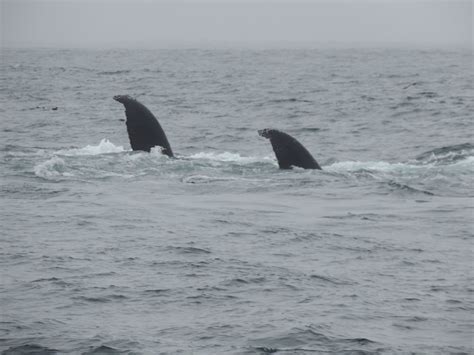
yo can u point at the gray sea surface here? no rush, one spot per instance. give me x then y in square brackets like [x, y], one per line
[109, 251]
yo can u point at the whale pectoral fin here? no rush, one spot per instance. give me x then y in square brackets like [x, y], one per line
[283, 154]
[289, 152]
[144, 130]
[140, 138]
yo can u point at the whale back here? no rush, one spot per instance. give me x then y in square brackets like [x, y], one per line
[144, 130]
[288, 151]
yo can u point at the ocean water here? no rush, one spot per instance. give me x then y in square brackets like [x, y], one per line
[110, 251]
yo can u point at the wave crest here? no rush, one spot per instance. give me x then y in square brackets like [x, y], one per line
[104, 147]
[447, 155]
[386, 167]
[382, 166]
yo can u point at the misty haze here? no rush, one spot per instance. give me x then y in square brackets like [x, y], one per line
[110, 23]
[236, 177]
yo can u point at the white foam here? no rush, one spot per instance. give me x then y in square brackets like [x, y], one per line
[370, 165]
[465, 163]
[383, 166]
[158, 151]
[229, 157]
[51, 168]
[104, 147]
[449, 156]
[403, 168]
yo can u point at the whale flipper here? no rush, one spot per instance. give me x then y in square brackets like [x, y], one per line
[144, 130]
[288, 151]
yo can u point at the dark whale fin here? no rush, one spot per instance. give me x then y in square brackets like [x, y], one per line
[289, 152]
[143, 128]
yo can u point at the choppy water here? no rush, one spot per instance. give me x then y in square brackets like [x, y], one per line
[109, 251]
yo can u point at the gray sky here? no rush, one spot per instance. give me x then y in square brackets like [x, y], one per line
[160, 23]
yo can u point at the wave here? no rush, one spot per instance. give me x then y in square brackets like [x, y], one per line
[290, 99]
[104, 349]
[355, 166]
[205, 179]
[104, 147]
[107, 147]
[462, 155]
[447, 155]
[51, 168]
[399, 187]
[30, 349]
[311, 340]
[110, 160]
[386, 167]
[57, 169]
[114, 72]
[229, 157]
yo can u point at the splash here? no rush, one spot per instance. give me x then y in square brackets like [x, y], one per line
[52, 168]
[104, 147]
[68, 163]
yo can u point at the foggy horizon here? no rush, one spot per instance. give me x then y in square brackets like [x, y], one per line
[185, 24]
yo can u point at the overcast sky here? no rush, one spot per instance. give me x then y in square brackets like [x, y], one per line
[160, 23]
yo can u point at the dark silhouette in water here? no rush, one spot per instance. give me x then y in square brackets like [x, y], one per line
[143, 128]
[289, 152]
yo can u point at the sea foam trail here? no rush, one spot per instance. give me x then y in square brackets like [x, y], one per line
[66, 163]
[229, 157]
[447, 155]
[382, 166]
[63, 164]
[386, 167]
